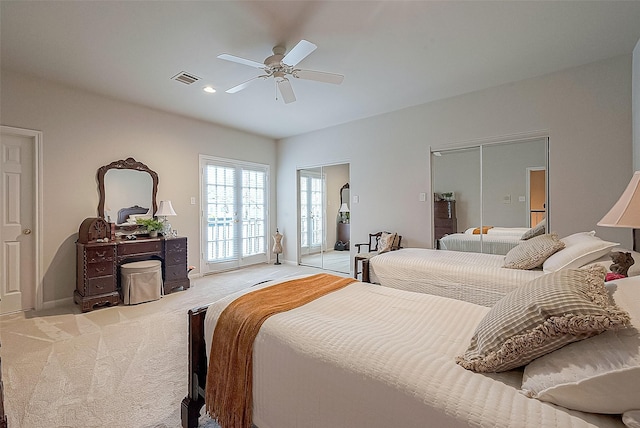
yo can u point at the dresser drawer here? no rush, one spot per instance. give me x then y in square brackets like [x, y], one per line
[441, 231]
[99, 269]
[100, 254]
[175, 246]
[101, 285]
[176, 259]
[444, 209]
[448, 223]
[175, 273]
[139, 247]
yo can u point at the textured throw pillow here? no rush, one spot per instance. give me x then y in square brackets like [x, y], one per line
[580, 249]
[598, 375]
[536, 230]
[386, 242]
[541, 316]
[533, 252]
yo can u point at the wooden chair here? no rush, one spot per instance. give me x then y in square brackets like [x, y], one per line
[372, 250]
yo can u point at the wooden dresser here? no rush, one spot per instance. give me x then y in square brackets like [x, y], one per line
[98, 267]
[343, 235]
[444, 219]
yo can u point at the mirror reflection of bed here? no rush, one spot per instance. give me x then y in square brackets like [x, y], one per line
[126, 189]
[491, 192]
[324, 236]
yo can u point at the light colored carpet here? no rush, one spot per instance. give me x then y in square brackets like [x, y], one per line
[122, 366]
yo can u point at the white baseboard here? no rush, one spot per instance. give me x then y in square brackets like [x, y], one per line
[55, 303]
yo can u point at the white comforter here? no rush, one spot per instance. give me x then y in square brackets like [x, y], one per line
[490, 244]
[370, 356]
[474, 277]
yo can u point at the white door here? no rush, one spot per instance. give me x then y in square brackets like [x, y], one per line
[18, 221]
[235, 212]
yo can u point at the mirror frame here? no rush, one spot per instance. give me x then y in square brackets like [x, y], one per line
[128, 163]
[346, 186]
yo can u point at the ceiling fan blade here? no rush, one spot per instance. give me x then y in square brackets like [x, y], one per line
[233, 58]
[244, 85]
[286, 90]
[319, 76]
[298, 53]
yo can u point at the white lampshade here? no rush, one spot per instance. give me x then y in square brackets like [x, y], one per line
[625, 212]
[344, 208]
[165, 209]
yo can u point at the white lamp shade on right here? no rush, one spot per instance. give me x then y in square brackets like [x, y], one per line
[165, 209]
[625, 212]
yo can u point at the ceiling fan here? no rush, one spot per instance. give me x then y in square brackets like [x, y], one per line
[280, 66]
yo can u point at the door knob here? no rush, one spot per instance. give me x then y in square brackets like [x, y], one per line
[27, 231]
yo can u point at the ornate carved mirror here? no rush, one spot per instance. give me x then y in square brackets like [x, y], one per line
[126, 184]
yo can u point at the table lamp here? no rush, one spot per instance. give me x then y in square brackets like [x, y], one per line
[164, 210]
[626, 212]
[344, 213]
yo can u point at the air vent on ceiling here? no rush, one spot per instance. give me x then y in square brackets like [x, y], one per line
[185, 78]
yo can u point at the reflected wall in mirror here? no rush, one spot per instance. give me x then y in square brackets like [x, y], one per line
[500, 192]
[321, 193]
[126, 187]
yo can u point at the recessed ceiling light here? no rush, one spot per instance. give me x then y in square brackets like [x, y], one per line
[209, 89]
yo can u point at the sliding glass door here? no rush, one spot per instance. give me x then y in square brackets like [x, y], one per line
[234, 220]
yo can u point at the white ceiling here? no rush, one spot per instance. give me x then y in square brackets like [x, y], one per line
[394, 54]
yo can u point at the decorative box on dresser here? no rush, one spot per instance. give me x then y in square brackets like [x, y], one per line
[444, 219]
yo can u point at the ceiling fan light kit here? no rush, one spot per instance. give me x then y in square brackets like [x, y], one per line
[280, 66]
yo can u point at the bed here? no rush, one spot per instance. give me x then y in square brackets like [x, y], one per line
[474, 277]
[490, 243]
[481, 278]
[369, 356]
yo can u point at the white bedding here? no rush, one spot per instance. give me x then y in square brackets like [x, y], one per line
[490, 244]
[474, 277]
[369, 356]
[503, 231]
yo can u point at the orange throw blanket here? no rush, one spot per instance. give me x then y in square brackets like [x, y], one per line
[229, 393]
[477, 231]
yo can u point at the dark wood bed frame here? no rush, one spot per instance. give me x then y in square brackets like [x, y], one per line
[193, 402]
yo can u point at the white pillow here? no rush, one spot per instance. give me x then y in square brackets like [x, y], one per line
[580, 249]
[578, 237]
[598, 375]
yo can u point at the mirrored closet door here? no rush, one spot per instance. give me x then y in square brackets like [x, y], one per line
[324, 217]
[487, 195]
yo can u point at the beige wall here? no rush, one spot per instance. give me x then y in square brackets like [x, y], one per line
[586, 111]
[82, 132]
